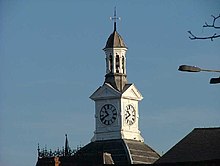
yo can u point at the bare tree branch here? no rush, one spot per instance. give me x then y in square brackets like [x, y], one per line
[193, 37]
[206, 25]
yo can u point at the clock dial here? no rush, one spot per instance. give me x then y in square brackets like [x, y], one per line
[130, 114]
[108, 114]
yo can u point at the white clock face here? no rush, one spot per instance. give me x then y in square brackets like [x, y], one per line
[130, 114]
[108, 114]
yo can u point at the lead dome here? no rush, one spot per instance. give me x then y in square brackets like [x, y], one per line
[115, 41]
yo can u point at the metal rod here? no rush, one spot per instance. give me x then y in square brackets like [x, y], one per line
[207, 70]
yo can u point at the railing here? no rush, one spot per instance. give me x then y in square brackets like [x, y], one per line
[44, 153]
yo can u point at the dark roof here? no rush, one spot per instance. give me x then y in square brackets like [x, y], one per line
[114, 147]
[115, 41]
[202, 144]
[123, 152]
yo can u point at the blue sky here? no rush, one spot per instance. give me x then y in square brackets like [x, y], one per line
[51, 61]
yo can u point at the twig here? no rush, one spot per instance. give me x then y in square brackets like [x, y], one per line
[206, 25]
[213, 23]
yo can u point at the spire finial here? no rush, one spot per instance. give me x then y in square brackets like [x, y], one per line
[66, 149]
[38, 149]
[115, 18]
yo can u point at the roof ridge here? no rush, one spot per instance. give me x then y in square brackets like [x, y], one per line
[206, 128]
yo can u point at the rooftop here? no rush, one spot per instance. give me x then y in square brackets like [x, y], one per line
[201, 144]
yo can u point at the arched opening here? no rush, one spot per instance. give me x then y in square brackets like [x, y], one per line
[123, 65]
[117, 65]
[110, 63]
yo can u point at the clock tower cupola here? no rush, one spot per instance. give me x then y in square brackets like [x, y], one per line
[115, 50]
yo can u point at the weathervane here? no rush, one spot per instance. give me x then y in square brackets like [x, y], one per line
[115, 18]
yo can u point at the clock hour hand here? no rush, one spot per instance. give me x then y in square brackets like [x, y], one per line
[128, 115]
[107, 114]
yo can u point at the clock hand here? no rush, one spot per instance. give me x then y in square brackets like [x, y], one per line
[128, 115]
[107, 114]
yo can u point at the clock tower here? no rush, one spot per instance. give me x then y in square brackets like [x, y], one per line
[116, 101]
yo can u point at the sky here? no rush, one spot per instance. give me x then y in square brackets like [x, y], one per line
[51, 61]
